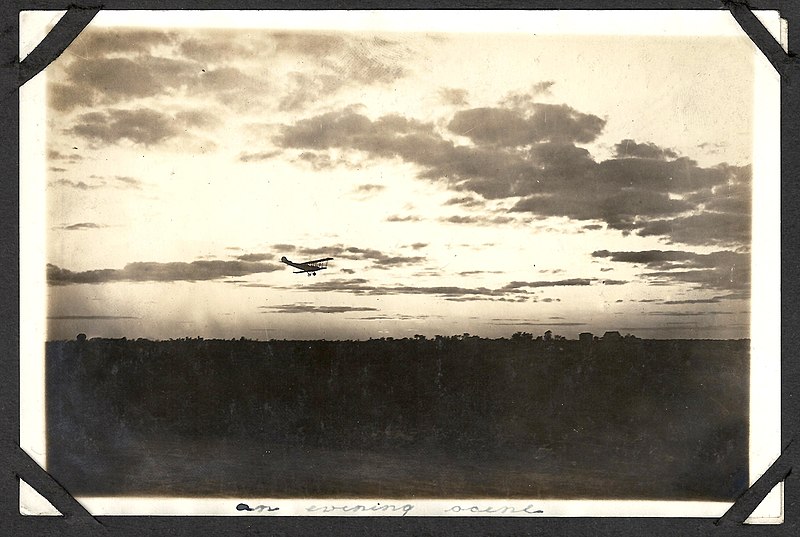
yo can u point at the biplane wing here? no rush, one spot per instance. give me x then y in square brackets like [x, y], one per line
[318, 261]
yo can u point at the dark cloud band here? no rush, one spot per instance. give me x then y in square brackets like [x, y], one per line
[722, 270]
[160, 272]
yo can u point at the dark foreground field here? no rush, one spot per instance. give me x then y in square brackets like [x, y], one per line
[450, 417]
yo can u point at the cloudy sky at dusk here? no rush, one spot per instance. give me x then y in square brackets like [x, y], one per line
[463, 182]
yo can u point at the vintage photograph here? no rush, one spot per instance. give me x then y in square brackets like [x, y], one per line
[292, 257]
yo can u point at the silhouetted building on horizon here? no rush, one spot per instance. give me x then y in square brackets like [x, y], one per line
[612, 336]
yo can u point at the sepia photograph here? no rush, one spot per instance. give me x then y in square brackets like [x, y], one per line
[383, 263]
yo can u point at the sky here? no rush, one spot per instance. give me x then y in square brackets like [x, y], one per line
[482, 183]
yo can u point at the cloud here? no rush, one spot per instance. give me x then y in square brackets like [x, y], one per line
[361, 287]
[305, 88]
[349, 129]
[224, 82]
[258, 156]
[80, 185]
[160, 272]
[372, 60]
[466, 201]
[215, 46]
[544, 123]
[330, 63]
[305, 307]
[718, 229]
[714, 278]
[524, 100]
[453, 96]
[687, 327]
[99, 41]
[529, 156]
[377, 258]
[712, 300]
[53, 154]
[474, 219]
[532, 323]
[255, 257]
[617, 207]
[418, 245]
[488, 171]
[369, 188]
[688, 313]
[128, 182]
[630, 148]
[557, 283]
[712, 148]
[119, 181]
[389, 261]
[106, 69]
[732, 197]
[407, 218]
[725, 270]
[196, 118]
[680, 176]
[68, 96]
[394, 317]
[111, 80]
[656, 198]
[318, 161]
[123, 67]
[338, 250]
[89, 317]
[139, 126]
[542, 87]
[672, 259]
[82, 226]
[308, 43]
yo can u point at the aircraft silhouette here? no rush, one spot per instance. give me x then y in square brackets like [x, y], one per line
[308, 267]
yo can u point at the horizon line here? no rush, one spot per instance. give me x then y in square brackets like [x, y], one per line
[455, 337]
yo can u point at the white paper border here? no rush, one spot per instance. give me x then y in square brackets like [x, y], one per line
[765, 304]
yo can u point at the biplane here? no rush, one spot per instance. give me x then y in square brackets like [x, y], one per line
[308, 267]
